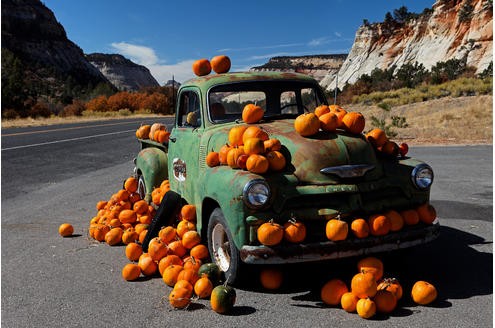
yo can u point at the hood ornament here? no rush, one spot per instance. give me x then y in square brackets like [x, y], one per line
[348, 171]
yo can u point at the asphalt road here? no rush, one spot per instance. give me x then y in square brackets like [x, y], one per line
[56, 174]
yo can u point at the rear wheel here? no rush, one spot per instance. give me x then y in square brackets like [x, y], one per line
[141, 189]
[222, 248]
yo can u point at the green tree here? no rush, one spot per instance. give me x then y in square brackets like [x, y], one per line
[410, 75]
[13, 95]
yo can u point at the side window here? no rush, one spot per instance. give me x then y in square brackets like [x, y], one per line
[189, 109]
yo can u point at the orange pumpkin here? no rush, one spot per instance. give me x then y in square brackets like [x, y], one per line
[348, 301]
[272, 144]
[236, 135]
[331, 293]
[177, 248]
[392, 285]
[270, 233]
[183, 226]
[390, 148]
[220, 64]
[379, 224]
[114, 236]
[155, 127]
[201, 67]
[410, 216]
[276, 160]
[143, 132]
[179, 298]
[257, 164]
[130, 235]
[147, 265]
[171, 273]
[377, 137]
[212, 159]
[366, 308]
[371, 264]
[133, 251]
[396, 220]
[427, 213]
[233, 155]
[423, 292]
[199, 252]
[354, 122]
[271, 278]
[340, 112]
[157, 249]
[254, 132]
[336, 230]
[131, 184]
[188, 213]
[66, 229]
[131, 271]
[329, 122]
[364, 285]
[360, 228]
[203, 287]
[307, 124]
[294, 231]
[167, 261]
[222, 154]
[127, 216]
[162, 136]
[191, 239]
[140, 207]
[184, 284]
[252, 113]
[190, 275]
[321, 110]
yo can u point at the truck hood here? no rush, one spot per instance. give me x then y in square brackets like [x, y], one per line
[307, 156]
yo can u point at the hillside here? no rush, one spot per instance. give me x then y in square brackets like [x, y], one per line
[460, 29]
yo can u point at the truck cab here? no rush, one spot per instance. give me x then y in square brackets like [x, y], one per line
[329, 175]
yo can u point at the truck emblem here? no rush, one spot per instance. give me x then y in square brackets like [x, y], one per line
[180, 173]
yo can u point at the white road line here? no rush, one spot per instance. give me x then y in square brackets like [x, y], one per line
[66, 140]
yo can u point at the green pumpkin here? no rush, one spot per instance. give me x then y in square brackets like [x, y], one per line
[222, 299]
[212, 271]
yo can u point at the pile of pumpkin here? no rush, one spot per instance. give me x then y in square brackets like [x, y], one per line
[176, 253]
[249, 147]
[155, 132]
[369, 292]
[271, 233]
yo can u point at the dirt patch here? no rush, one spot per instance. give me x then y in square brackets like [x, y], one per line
[463, 120]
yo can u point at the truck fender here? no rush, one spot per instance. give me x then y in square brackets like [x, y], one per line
[151, 164]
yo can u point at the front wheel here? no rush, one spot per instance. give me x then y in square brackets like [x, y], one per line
[222, 248]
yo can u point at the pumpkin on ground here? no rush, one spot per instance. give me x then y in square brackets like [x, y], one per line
[271, 278]
[364, 285]
[366, 308]
[66, 229]
[385, 301]
[423, 292]
[348, 301]
[131, 184]
[203, 287]
[179, 298]
[171, 274]
[131, 271]
[222, 299]
[210, 270]
[373, 265]
[392, 285]
[133, 251]
[331, 293]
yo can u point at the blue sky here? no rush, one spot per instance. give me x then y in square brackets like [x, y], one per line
[167, 36]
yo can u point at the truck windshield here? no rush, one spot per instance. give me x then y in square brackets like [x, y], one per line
[278, 99]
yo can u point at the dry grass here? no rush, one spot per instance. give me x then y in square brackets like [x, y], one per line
[462, 120]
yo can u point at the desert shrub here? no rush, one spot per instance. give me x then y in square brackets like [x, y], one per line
[9, 114]
[40, 109]
[74, 109]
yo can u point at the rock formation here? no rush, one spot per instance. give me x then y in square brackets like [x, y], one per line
[460, 29]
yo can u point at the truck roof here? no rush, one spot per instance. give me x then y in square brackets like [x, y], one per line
[206, 82]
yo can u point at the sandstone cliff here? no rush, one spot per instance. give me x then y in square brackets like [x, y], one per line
[460, 29]
[121, 72]
[317, 66]
[31, 34]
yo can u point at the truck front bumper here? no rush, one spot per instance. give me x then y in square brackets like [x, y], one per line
[311, 252]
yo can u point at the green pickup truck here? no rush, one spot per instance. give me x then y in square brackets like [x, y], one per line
[328, 175]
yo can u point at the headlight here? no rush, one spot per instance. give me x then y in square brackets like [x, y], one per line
[422, 176]
[256, 193]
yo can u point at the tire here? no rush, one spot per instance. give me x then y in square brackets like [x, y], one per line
[165, 215]
[222, 249]
[141, 190]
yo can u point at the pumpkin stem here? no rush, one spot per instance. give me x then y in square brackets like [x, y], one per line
[292, 218]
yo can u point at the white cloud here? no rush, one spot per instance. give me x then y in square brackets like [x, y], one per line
[139, 54]
[182, 71]
[338, 34]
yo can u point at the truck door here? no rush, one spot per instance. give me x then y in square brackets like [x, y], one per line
[183, 153]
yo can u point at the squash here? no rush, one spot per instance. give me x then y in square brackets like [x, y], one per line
[201, 67]
[307, 124]
[66, 229]
[332, 291]
[423, 292]
[222, 299]
[252, 113]
[220, 64]
[270, 233]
